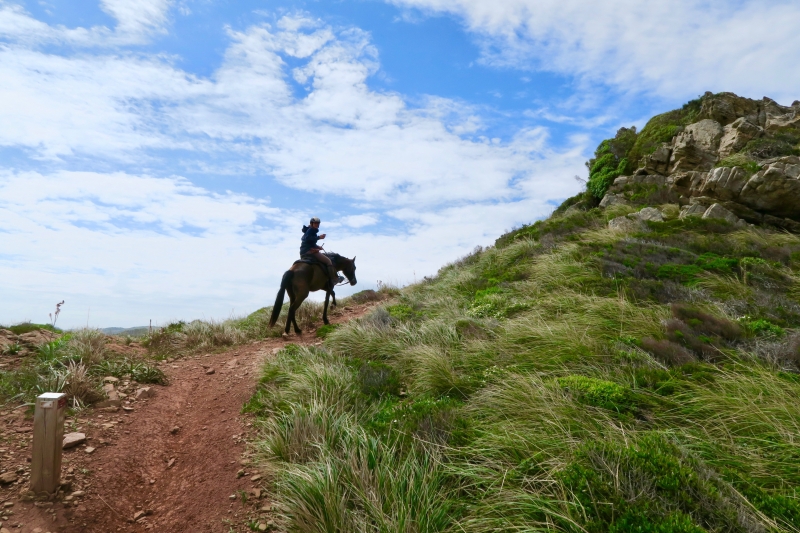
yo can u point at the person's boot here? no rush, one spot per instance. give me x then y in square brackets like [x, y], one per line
[334, 276]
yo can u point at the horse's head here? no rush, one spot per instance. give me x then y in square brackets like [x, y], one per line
[349, 269]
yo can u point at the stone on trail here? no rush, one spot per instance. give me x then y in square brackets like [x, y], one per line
[144, 392]
[8, 477]
[89, 449]
[209, 371]
[73, 439]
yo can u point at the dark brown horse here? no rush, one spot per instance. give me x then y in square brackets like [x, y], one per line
[303, 278]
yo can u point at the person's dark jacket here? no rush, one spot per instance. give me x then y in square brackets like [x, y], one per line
[309, 240]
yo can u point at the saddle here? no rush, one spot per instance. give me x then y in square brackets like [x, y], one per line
[311, 260]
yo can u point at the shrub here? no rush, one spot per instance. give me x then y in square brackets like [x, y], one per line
[325, 330]
[89, 345]
[599, 393]
[378, 379]
[667, 352]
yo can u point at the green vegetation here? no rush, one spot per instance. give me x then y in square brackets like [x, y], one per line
[567, 379]
[74, 364]
[660, 129]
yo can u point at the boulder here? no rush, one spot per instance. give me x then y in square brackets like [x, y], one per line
[37, 338]
[649, 214]
[727, 107]
[775, 190]
[613, 199]
[695, 148]
[694, 210]
[724, 183]
[736, 135]
[778, 117]
[717, 211]
[626, 225]
[658, 161]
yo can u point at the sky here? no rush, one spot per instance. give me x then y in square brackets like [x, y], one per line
[158, 158]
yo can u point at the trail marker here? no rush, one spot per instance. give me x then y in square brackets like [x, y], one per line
[48, 434]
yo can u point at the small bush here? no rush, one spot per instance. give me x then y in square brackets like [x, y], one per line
[325, 330]
[378, 379]
[599, 393]
[762, 326]
[707, 323]
[27, 327]
[89, 345]
[667, 352]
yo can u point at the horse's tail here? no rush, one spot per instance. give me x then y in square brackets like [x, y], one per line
[276, 309]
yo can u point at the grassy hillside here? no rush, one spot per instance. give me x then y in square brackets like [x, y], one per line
[567, 379]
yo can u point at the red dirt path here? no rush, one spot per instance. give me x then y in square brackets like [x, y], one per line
[182, 479]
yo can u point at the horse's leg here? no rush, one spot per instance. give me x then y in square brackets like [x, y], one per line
[334, 299]
[300, 295]
[290, 314]
[325, 308]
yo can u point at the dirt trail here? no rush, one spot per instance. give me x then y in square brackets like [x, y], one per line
[174, 463]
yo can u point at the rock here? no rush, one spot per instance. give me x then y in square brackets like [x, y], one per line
[775, 189]
[78, 494]
[649, 214]
[171, 463]
[256, 493]
[8, 477]
[110, 379]
[37, 338]
[727, 107]
[626, 225]
[137, 515]
[779, 117]
[262, 526]
[725, 183]
[209, 371]
[89, 449]
[696, 147]
[256, 477]
[658, 161]
[694, 210]
[127, 409]
[4, 530]
[144, 392]
[73, 439]
[174, 430]
[736, 135]
[613, 199]
[717, 211]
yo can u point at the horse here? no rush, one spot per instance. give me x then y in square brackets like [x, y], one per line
[303, 278]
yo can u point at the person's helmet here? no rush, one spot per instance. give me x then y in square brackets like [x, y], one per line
[315, 220]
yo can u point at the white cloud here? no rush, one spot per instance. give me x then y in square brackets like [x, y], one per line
[137, 16]
[678, 47]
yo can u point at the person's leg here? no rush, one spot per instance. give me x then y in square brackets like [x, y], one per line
[332, 274]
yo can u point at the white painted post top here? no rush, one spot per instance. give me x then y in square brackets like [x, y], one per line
[51, 396]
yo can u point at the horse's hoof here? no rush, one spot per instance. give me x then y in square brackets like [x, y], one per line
[285, 334]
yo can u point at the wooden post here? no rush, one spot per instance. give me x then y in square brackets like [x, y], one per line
[48, 437]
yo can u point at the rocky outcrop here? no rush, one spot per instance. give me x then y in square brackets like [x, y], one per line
[690, 171]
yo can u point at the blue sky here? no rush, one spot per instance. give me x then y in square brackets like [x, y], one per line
[158, 157]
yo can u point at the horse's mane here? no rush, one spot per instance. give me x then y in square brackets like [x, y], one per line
[334, 256]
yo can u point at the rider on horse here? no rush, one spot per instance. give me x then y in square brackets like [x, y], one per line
[309, 248]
